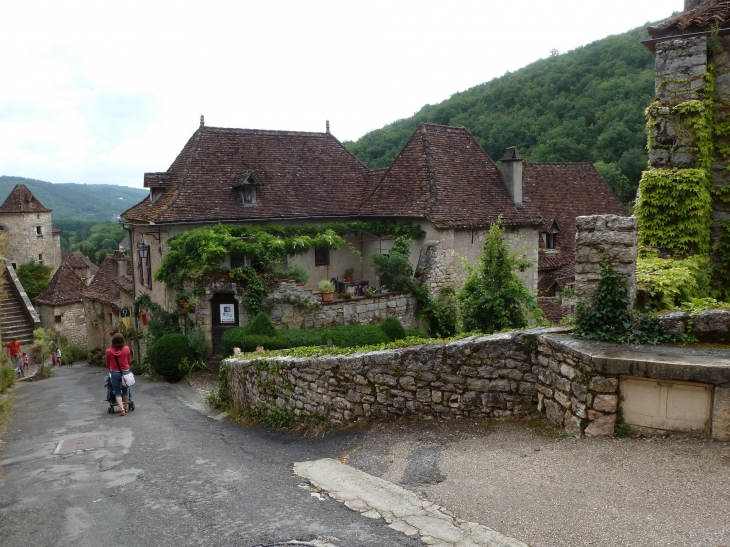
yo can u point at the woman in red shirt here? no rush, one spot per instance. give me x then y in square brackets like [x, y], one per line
[117, 361]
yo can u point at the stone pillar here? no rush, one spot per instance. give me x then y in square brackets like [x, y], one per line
[604, 236]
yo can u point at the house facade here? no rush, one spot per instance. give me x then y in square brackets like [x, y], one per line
[441, 180]
[27, 224]
[61, 306]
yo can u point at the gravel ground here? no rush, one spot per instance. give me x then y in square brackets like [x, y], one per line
[522, 480]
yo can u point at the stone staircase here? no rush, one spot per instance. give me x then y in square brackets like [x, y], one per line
[18, 318]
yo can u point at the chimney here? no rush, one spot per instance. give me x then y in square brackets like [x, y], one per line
[691, 4]
[202, 120]
[328, 127]
[512, 174]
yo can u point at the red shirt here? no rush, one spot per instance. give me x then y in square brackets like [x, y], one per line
[13, 347]
[118, 359]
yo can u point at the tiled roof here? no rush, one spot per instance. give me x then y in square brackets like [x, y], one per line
[65, 288]
[22, 200]
[302, 175]
[56, 231]
[444, 175]
[564, 191]
[80, 263]
[695, 20]
[551, 308]
[101, 287]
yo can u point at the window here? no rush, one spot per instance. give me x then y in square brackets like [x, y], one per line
[249, 194]
[238, 261]
[15, 266]
[550, 240]
[321, 257]
[39, 231]
[58, 318]
[40, 258]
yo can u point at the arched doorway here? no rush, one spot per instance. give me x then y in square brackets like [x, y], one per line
[224, 312]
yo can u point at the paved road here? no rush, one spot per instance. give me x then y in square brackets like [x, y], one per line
[165, 475]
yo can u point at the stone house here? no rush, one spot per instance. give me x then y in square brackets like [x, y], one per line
[108, 300]
[80, 264]
[31, 235]
[442, 180]
[61, 306]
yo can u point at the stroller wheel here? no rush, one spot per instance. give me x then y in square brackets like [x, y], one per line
[111, 410]
[131, 406]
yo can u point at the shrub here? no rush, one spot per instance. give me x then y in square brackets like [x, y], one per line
[138, 368]
[249, 342]
[7, 377]
[34, 276]
[281, 271]
[393, 329]
[232, 339]
[261, 325]
[167, 354]
[73, 353]
[493, 297]
[672, 282]
[395, 268]
[303, 337]
[355, 335]
[96, 357]
[415, 333]
[198, 345]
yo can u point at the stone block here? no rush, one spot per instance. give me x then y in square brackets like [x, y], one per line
[603, 385]
[602, 426]
[494, 400]
[721, 415]
[567, 371]
[544, 390]
[500, 385]
[579, 390]
[605, 403]
[572, 424]
[562, 398]
[555, 413]
[476, 384]
[423, 395]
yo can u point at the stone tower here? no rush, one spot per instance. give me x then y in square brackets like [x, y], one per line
[30, 233]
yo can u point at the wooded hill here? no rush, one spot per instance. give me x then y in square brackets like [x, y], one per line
[96, 202]
[584, 105]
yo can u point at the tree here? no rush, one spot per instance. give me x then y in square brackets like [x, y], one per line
[395, 268]
[494, 297]
[34, 276]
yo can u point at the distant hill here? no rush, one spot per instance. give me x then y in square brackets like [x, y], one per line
[584, 105]
[96, 202]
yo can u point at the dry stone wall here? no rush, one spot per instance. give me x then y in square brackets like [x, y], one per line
[604, 236]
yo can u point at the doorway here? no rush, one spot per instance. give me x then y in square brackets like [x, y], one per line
[224, 308]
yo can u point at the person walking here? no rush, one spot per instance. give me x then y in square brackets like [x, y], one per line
[14, 351]
[58, 356]
[53, 357]
[118, 359]
[24, 360]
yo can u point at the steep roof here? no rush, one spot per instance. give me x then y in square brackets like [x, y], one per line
[79, 261]
[443, 174]
[301, 174]
[102, 287]
[697, 19]
[65, 288]
[22, 200]
[564, 191]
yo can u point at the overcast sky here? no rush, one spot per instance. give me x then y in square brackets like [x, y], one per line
[95, 93]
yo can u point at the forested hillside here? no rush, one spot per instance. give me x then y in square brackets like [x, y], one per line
[585, 105]
[80, 201]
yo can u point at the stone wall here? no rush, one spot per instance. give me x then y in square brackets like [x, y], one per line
[604, 236]
[709, 326]
[24, 243]
[72, 325]
[573, 382]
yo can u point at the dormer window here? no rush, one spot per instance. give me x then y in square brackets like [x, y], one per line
[549, 234]
[550, 240]
[247, 188]
[155, 194]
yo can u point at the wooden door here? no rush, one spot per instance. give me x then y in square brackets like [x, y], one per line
[224, 307]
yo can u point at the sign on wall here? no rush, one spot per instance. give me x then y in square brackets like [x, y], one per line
[227, 315]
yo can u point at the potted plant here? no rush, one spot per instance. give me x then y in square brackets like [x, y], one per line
[348, 274]
[326, 290]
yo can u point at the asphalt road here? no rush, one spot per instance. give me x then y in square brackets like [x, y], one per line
[165, 474]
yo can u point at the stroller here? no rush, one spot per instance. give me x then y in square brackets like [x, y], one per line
[110, 396]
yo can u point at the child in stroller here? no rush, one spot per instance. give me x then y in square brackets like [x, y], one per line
[110, 396]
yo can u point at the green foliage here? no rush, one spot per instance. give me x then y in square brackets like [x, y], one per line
[672, 282]
[34, 277]
[138, 368]
[352, 336]
[95, 239]
[279, 417]
[167, 355]
[44, 341]
[441, 313]
[494, 297]
[415, 333]
[395, 268]
[609, 319]
[72, 353]
[282, 271]
[261, 325]
[673, 210]
[90, 202]
[326, 286]
[585, 105]
[197, 343]
[162, 321]
[97, 357]
[393, 328]
[615, 178]
[721, 270]
[7, 377]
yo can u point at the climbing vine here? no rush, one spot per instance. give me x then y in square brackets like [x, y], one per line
[196, 256]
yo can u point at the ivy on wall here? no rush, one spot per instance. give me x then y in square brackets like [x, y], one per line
[196, 257]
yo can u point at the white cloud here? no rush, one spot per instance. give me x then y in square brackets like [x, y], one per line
[102, 93]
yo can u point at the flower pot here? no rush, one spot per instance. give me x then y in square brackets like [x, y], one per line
[327, 296]
[348, 278]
